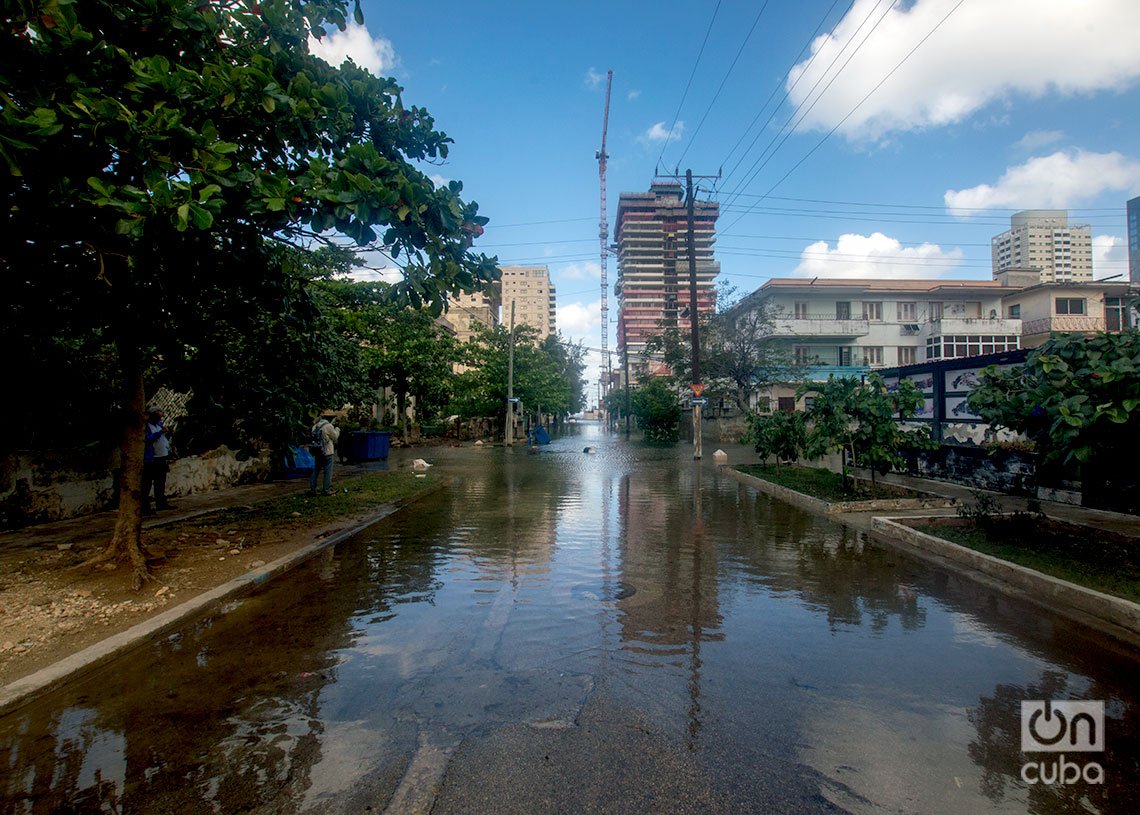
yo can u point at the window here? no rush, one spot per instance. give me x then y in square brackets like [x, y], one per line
[935, 311]
[872, 311]
[843, 355]
[802, 354]
[801, 311]
[873, 355]
[907, 312]
[764, 404]
[786, 404]
[1070, 305]
[843, 311]
[1015, 312]
[1115, 314]
[908, 355]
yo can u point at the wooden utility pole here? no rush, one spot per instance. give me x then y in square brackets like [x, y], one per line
[694, 318]
[510, 428]
[694, 321]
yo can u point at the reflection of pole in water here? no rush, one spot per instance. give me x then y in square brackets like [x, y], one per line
[696, 631]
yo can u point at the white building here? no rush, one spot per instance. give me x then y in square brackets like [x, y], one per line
[1044, 240]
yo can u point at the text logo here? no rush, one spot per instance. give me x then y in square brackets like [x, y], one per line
[1052, 726]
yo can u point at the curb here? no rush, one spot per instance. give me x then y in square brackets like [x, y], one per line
[822, 507]
[22, 691]
[1113, 615]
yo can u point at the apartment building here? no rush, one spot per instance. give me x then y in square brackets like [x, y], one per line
[851, 325]
[1075, 308]
[533, 294]
[464, 311]
[651, 232]
[1043, 239]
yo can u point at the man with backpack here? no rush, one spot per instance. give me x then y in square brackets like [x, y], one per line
[322, 445]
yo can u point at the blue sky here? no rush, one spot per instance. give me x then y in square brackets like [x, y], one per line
[856, 138]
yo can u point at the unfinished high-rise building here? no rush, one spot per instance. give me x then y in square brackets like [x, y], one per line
[651, 232]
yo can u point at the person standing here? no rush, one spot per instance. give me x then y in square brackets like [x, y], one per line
[323, 447]
[156, 461]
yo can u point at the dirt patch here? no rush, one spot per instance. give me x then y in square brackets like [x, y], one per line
[51, 606]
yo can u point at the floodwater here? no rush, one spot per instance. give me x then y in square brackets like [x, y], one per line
[618, 631]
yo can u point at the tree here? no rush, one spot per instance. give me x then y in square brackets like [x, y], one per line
[658, 411]
[544, 378]
[570, 358]
[864, 419]
[156, 149]
[400, 347]
[1078, 399]
[782, 434]
[740, 352]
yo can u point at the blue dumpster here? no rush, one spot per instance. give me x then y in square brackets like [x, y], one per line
[540, 435]
[369, 445]
[299, 464]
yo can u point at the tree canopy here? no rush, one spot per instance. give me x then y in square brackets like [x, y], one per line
[157, 155]
[1077, 398]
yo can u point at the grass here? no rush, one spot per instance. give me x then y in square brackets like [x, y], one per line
[351, 497]
[1093, 558]
[824, 484]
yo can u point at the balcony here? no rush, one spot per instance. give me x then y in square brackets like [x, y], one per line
[819, 326]
[1067, 322]
[974, 325]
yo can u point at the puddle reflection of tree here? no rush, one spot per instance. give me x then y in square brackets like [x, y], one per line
[826, 564]
[996, 749]
[224, 716]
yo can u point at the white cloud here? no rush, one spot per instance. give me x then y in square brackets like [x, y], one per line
[582, 270]
[660, 133]
[1036, 139]
[876, 255]
[372, 53]
[388, 275]
[984, 52]
[593, 78]
[578, 321]
[1061, 180]
[633, 95]
[439, 180]
[1110, 256]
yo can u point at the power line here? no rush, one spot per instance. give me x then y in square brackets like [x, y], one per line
[728, 73]
[781, 83]
[688, 84]
[858, 105]
[755, 170]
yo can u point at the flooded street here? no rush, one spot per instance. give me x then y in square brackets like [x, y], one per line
[617, 631]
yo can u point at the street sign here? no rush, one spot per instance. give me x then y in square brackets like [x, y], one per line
[513, 399]
[697, 389]
[701, 402]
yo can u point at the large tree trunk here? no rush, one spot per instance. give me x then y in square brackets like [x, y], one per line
[126, 541]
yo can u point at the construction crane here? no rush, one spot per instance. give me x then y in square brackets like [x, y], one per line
[603, 234]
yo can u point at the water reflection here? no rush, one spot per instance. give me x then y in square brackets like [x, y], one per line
[629, 609]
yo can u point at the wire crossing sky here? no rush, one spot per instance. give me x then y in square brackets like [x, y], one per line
[858, 138]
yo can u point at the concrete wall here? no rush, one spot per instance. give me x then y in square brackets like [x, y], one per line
[1004, 471]
[59, 484]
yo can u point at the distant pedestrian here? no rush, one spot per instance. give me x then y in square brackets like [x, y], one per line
[322, 445]
[156, 461]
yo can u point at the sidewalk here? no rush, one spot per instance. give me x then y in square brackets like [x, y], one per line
[55, 619]
[88, 530]
[1100, 518]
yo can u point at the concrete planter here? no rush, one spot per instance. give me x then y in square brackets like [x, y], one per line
[1114, 615]
[812, 504]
